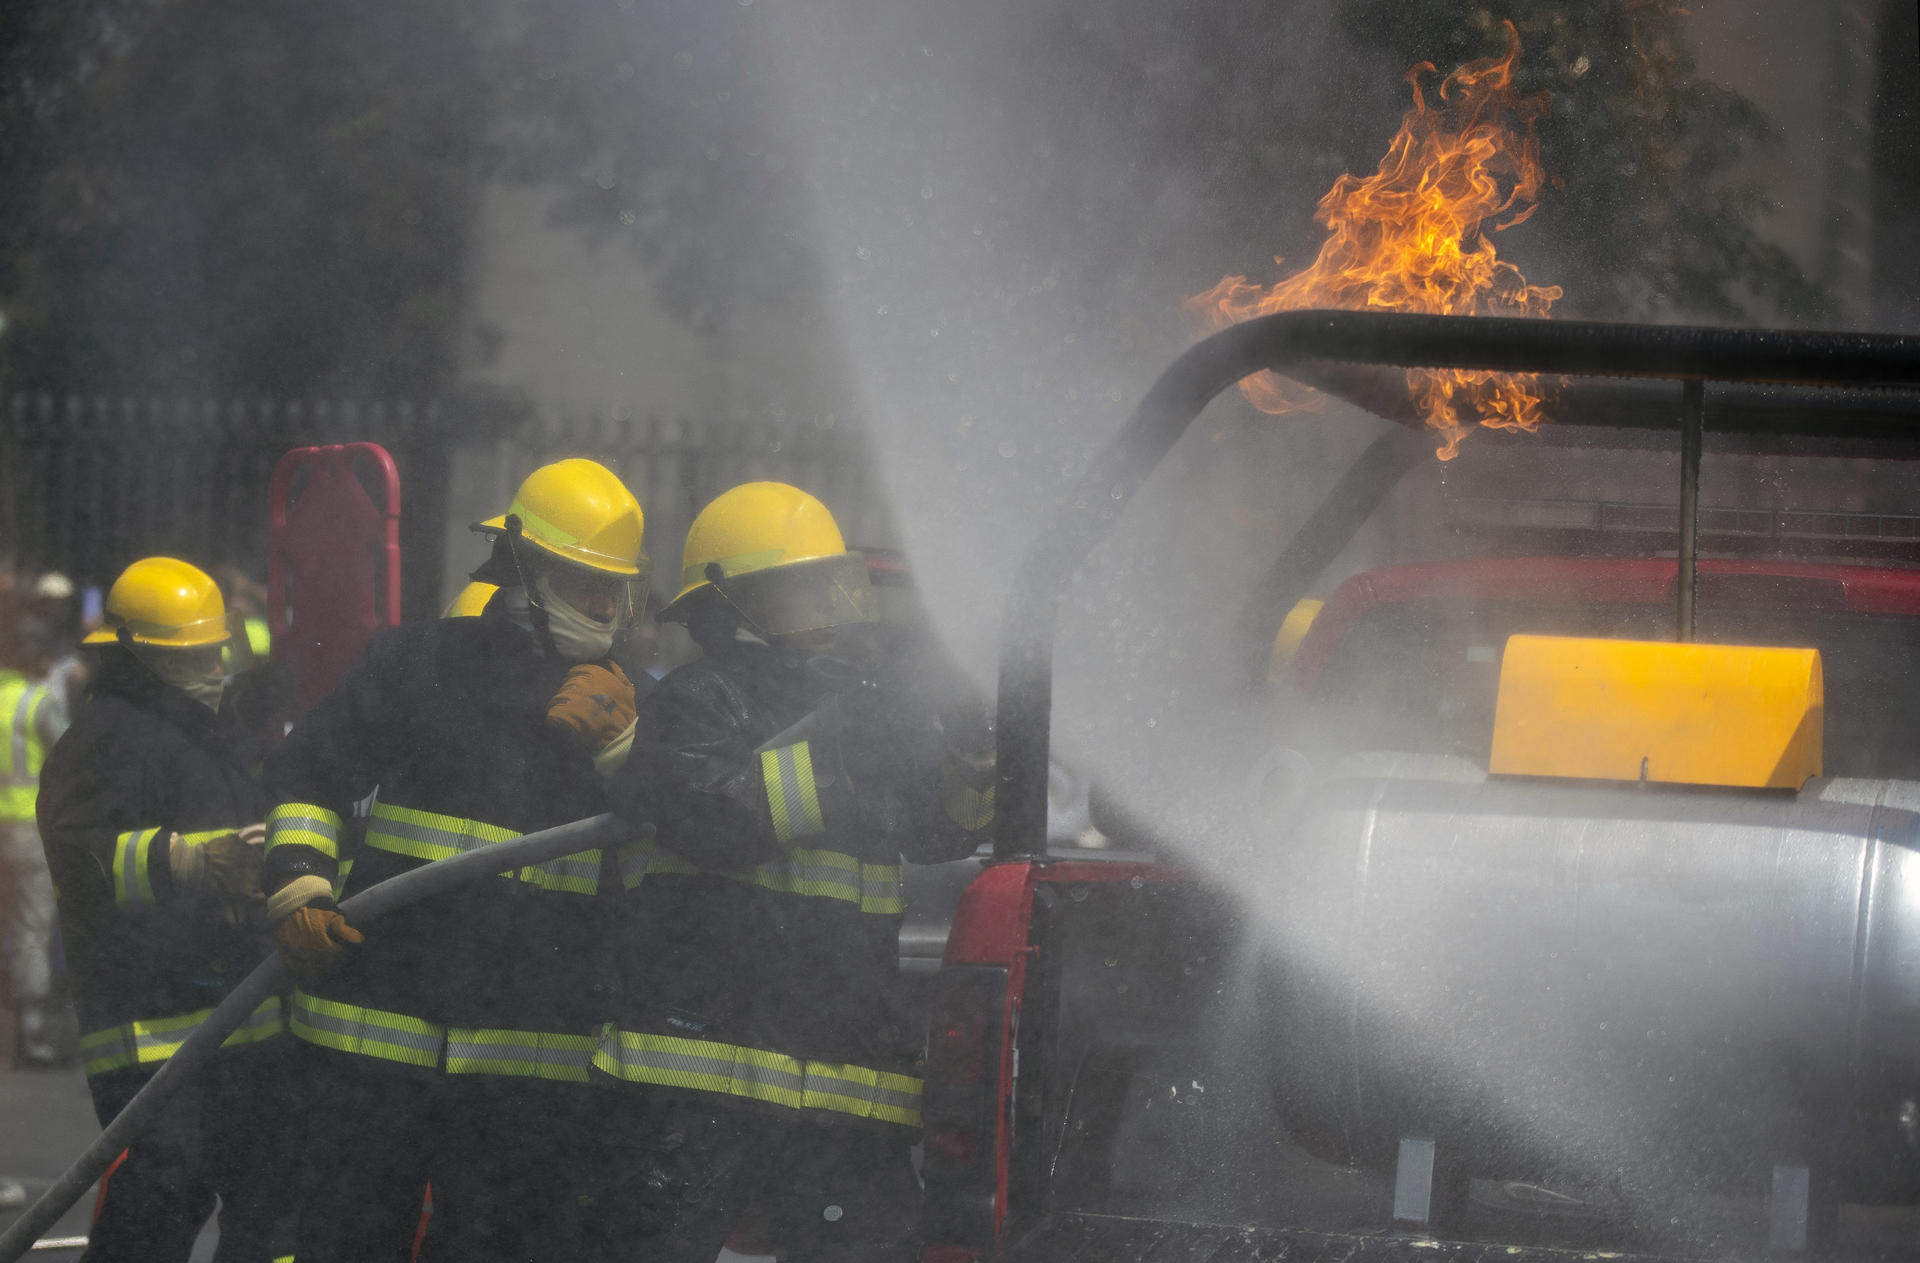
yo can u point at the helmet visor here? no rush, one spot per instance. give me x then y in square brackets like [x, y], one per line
[803, 596]
[602, 596]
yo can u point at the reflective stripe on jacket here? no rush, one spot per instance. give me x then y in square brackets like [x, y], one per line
[528, 1054]
[412, 1041]
[307, 825]
[151, 1041]
[703, 1065]
[22, 752]
[427, 835]
[874, 888]
[367, 1032]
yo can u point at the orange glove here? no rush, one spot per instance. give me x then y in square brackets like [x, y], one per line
[594, 705]
[314, 937]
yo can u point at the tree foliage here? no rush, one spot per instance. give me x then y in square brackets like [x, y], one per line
[652, 123]
[271, 196]
[276, 195]
[1648, 215]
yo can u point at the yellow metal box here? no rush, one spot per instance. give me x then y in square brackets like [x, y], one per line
[1631, 710]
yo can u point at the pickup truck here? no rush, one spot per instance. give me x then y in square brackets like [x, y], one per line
[1451, 1005]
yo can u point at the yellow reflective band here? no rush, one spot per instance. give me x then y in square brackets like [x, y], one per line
[881, 889]
[21, 754]
[352, 1028]
[145, 1042]
[805, 871]
[845, 1089]
[739, 563]
[304, 824]
[533, 524]
[755, 1074]
[205, 836]
[340, 878]
[16, 700]
[429, 835]
[791, 794]
[970, 808]
[577, 874]
[132, 876]
[829, 874]
[633, 859]
[529, 1054]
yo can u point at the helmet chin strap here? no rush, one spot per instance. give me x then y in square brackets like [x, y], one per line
[536, 612]
[718, 580]
[124, 638]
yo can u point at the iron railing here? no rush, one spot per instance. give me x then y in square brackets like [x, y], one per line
[91, 482]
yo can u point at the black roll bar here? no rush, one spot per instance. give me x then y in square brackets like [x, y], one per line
[1574, 348]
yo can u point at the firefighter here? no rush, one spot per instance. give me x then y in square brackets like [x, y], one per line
[786, 772]
[151, 822]
[33, 707]
[470, 601]
[453, 1039]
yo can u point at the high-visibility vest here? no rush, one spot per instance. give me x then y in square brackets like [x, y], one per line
[21, 753]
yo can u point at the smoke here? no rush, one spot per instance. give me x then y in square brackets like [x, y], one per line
[1003, 235]
[1006, 205]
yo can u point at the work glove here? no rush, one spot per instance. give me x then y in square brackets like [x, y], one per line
[595, 705]
[313, 937]
[306, 925]
[226, 865]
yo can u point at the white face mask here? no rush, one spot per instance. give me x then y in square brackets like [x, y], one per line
[576, 638]
[194, 678]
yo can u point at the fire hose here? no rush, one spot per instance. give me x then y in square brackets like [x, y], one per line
[272, 975]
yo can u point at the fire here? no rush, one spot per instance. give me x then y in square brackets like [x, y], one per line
[1413, 236]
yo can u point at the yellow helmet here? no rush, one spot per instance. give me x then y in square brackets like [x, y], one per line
[471, 600]
[781, 561]
[166, 602]
[579, 511]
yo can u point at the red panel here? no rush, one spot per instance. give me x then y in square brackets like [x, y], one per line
[948, 1254]
[1634, 581]
[333, 561]
[991, 927]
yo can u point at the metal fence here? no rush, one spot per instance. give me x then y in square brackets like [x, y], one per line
[91, 482]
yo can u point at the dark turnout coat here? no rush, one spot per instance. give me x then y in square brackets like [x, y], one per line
[758, 943]
[143, 761]
[440, 735]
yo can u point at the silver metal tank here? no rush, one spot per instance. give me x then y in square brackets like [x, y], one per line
[1651, 987]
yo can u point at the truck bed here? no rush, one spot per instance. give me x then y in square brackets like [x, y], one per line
[1086, 1238]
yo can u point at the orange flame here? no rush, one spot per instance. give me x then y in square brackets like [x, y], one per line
[1411, 237]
